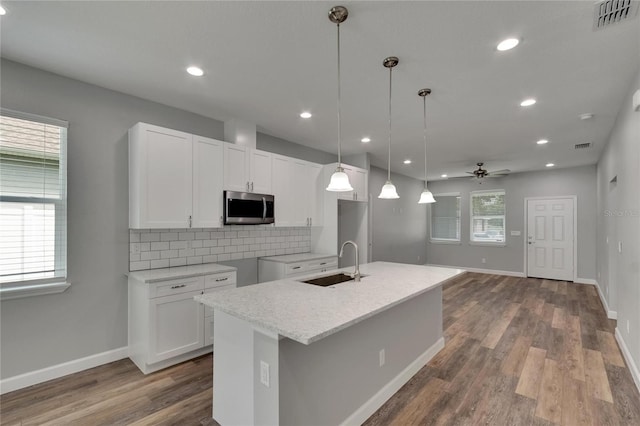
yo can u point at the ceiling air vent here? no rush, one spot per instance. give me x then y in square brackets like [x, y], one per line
[609, 12]
[582, 145]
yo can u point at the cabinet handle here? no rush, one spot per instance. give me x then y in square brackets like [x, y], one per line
[222, 279]
[178, 286]
[247, 186]
[296, 267]
[323, 263]
[220, 220]
[189, 221]
[251, 186]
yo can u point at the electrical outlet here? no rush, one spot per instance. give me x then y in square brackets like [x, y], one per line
[628, 331]
[484, 260]
[381, 357]
[264, 373]
[619, 246]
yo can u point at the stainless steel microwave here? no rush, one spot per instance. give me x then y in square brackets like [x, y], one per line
[246, 208]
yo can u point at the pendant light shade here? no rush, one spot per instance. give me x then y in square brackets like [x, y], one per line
[339, 180]
[426, 197]
[388, 191]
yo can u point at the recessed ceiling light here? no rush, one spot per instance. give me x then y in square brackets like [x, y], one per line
[550, 164]
[508, 44]
[3, 11]
[542, 142]
[195, 71]
[407, 161]
[528, 102]
[443, 175]
[305, 114]
[365, 140]
[586, 116]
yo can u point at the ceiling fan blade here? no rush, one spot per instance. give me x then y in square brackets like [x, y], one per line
[471, 173]
[462, 177]
[500, 172]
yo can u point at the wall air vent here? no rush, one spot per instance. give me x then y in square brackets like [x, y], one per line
[582, 145]
[609, 12]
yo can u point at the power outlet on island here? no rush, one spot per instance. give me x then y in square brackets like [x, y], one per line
[264, 373]
[381, 357]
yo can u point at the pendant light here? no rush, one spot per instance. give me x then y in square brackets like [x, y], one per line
[388, 189]
[339, 180]
[426, 196]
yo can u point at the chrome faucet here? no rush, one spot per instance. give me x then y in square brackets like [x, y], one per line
[356, 273]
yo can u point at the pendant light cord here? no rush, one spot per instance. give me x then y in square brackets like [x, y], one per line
[389, 166]
[339, 115]
[424, 108]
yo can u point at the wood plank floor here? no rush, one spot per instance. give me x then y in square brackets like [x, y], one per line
[518, 352]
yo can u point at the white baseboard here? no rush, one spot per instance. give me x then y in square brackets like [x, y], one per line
[635, 373]
[483, 271]
[377, 400]
[49, 373]
[610, 314]
[585, 281]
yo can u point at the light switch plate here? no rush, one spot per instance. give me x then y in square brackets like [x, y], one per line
[264, 373]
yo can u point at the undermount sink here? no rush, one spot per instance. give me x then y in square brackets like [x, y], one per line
[330, 280]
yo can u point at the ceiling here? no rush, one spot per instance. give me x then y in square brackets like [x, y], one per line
[265, 62]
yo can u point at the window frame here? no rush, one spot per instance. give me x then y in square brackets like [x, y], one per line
[57, 284]
[471, 218]
[457, 241]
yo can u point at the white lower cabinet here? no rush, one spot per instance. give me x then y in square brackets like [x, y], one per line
[166, 326]
[278, 267]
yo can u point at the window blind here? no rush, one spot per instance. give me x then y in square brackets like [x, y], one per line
[33, 217]
[445, 218]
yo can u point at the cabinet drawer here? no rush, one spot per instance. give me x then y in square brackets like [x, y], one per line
[208, 311]
[329, 263]
[295, 268]
[177, 286]
[219, 280]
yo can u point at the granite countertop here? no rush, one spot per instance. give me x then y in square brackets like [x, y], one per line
[164, 274]
[299, 257]
[307, 313]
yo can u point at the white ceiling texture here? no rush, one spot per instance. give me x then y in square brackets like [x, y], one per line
[267, 61]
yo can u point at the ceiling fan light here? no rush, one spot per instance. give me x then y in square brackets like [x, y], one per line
[388, 191]
[339, 181]
[426, 197]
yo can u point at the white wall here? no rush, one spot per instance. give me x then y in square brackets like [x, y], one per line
[579, 181]
[619, 222]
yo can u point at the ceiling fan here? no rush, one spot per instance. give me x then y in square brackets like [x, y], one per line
[480, 173]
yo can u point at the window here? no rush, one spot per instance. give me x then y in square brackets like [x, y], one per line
[33, 204]
[487, 217]
[445, 218]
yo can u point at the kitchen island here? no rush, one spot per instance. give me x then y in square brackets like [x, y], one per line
[291, 353]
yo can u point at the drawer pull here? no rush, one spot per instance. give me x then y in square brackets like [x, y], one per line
[323, 263]
[296, 267]
[222, 279]
[178, 286]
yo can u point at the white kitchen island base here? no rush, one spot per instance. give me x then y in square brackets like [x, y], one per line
[338, 379]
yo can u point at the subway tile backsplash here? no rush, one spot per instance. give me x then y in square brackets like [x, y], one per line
[163, 248]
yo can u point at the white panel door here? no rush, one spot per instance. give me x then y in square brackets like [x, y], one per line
[207, 182]
[550, 238]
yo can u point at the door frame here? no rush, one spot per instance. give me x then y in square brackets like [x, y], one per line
[575, 230]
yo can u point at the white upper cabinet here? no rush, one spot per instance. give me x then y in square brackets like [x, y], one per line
[281, 188]
[294, 186]
[160, 177]
[207, 182]
[359, 180]
[175, 179]
[247, 169]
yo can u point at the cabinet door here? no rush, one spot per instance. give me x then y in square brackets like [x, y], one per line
[260, 171]
[160, 177]
[281, 188]
[236, 176]
[316, 193]
[176, 326]
[207, 182]
[359, 181]
[300, 193]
